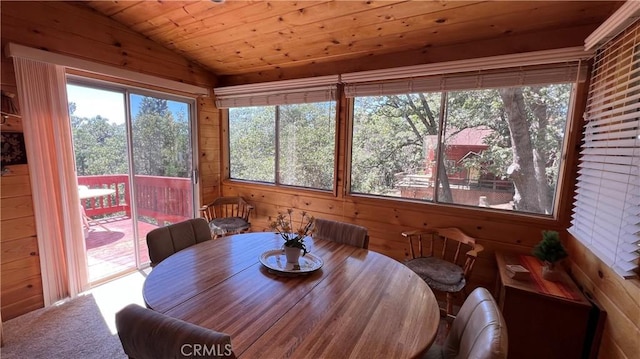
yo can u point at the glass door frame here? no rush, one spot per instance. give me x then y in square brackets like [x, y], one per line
[193, 133]
[127, 91]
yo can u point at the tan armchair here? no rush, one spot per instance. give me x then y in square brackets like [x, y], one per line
[345, 233]
[146, 334]
[448, 262]
[227, 215]
[165, 241]
[479, 331]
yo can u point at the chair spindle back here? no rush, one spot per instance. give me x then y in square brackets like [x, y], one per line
[450, 244]
[225, 207]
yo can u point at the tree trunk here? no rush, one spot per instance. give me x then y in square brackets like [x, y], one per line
[428, 119]
[444, 193]
[522, 170]
[545, 195]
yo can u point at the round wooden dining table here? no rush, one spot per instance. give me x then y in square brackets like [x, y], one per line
[359, 304]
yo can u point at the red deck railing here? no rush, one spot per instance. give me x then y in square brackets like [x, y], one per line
[166, 199]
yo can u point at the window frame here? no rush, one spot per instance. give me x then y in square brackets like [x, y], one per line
[226, 153]
[565, 181]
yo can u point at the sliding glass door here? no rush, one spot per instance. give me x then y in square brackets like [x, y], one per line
[162, 161]
[134, 161]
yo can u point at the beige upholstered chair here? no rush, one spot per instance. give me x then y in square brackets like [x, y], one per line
[227, 215]
[478, 332]
[447, 264]
[341, 232]
[145, 333]
[165, 241]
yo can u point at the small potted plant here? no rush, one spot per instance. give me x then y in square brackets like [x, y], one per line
[550, 251]
[293, 239]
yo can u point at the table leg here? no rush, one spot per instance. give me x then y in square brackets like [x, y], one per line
[86, 220]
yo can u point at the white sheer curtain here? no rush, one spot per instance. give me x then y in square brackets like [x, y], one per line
[47, 130]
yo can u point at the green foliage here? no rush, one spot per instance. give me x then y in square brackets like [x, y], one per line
[388, 139]
[483, 108]
[153, 106]
[390, 135]
[306, 144]
[391, 138]
[161, 144]
[307, 147]
[252, 143]
[550, 249]
[100, 146]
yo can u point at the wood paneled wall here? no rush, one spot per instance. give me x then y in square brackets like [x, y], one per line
[619, 297]
[21, 280]
[209, 150]
[76, 31]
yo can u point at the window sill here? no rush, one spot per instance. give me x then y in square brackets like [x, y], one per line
[279, 187]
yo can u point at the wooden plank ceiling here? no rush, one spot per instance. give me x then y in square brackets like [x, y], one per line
[235, 38]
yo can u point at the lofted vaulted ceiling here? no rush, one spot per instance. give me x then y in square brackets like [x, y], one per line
[250, 40]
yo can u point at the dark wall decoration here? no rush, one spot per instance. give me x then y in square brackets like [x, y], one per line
[13, 151]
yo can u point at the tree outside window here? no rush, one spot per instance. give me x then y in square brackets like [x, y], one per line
[286, 144]
[498, 148]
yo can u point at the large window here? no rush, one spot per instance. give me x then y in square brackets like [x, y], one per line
[499, 147]
[286, 144]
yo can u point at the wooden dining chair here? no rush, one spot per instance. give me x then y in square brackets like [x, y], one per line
[147, 334]
[479, 331]
[227, 215]
[341, 232]
[447, 263]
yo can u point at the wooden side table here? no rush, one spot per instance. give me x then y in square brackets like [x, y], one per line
[539, 324]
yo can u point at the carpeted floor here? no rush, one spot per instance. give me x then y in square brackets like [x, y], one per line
[80, 328]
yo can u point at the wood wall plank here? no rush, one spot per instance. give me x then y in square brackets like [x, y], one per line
[16, 207]
[17, 249]
[15, 183]
[208, 150]
[15, 272]
[12, 124]
[18, 228]
[27, 288]
[619, 297]
[25, 305]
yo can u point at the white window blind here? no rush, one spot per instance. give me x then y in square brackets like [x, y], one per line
[557, 73]
[606, 214]
[318, 89]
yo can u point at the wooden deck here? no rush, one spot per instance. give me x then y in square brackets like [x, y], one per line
[110, 246]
